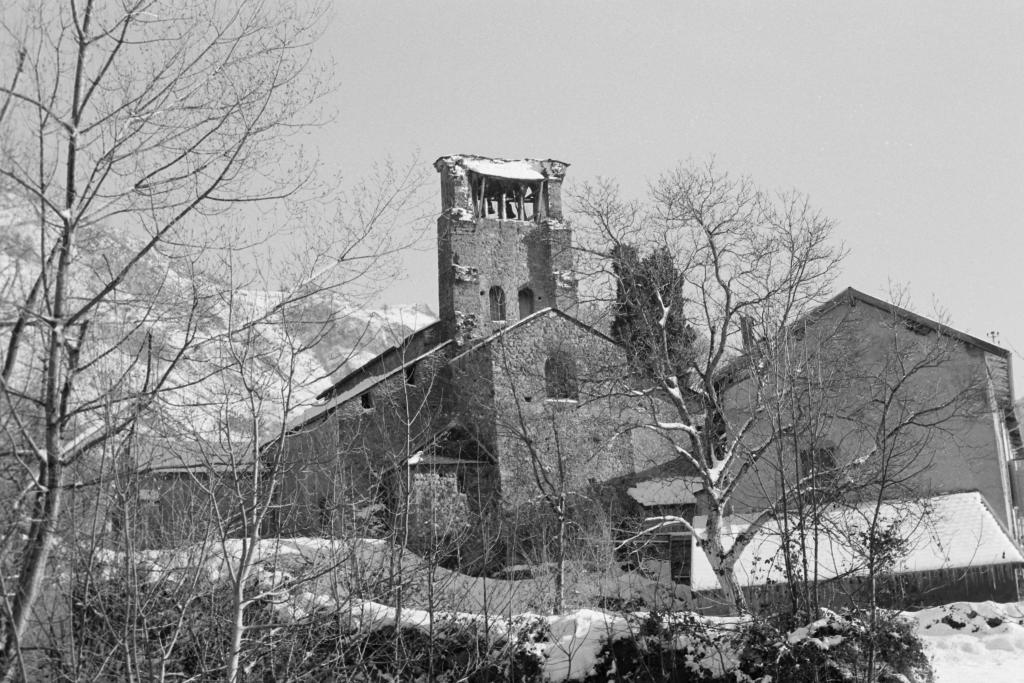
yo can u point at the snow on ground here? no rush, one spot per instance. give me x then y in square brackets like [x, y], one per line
[965, 640]
[974, 641]
[368, 560]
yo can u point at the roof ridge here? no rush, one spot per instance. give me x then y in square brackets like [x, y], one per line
[889, 307]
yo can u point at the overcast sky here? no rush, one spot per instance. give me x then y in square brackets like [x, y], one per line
[902, 121]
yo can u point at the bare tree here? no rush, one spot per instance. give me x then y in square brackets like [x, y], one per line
[857, 409]
[759, 383]
[130, 131]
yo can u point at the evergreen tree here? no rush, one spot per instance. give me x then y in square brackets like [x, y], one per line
[650, 318]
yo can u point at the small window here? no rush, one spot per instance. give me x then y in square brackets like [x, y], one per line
[410, 375]
[526, 302]
[497, 299]
[560, 377]
[366, 400]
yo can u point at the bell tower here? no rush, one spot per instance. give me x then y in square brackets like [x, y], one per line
[503, 251]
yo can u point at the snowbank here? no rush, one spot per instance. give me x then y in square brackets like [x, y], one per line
[968, 640]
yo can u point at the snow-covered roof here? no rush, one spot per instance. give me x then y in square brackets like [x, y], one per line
[950, 531]
[517, 169]
[500, 168]
[665, 491]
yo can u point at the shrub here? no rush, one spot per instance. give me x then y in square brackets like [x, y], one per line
[154, 630]
[659, 648]
[837, 648]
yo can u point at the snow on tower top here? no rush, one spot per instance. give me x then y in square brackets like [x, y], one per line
[516, 169]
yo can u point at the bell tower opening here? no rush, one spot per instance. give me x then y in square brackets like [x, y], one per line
[505, 198]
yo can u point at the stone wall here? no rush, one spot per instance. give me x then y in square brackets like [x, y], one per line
[569, 444]
[336, 469]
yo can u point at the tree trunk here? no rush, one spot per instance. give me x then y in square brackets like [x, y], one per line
[560, 573]
[238, 613]
[33, 567]
[724, 572]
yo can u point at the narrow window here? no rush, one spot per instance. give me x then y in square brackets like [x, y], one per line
[560, 377]
[366, 400]
[497, 299]
[526, 302]
[410, 375]
[325, 516]
[680, 552]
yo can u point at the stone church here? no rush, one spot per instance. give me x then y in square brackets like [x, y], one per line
[500, 412]
[476, 432]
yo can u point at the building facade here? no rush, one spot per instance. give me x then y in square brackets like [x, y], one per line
[505, 405]
[509, 411]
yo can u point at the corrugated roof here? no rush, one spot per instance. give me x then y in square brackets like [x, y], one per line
[951, 531]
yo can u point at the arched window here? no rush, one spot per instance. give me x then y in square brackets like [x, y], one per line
[497, 298]
[560, 377]
[526, 302]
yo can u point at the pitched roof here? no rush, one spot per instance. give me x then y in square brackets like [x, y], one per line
[736, 368]
[949, 531]
[367, 368]
[333, 398]
[851, 295]
[331, 403]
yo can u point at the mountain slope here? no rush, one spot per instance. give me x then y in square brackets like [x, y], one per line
[224, 356]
